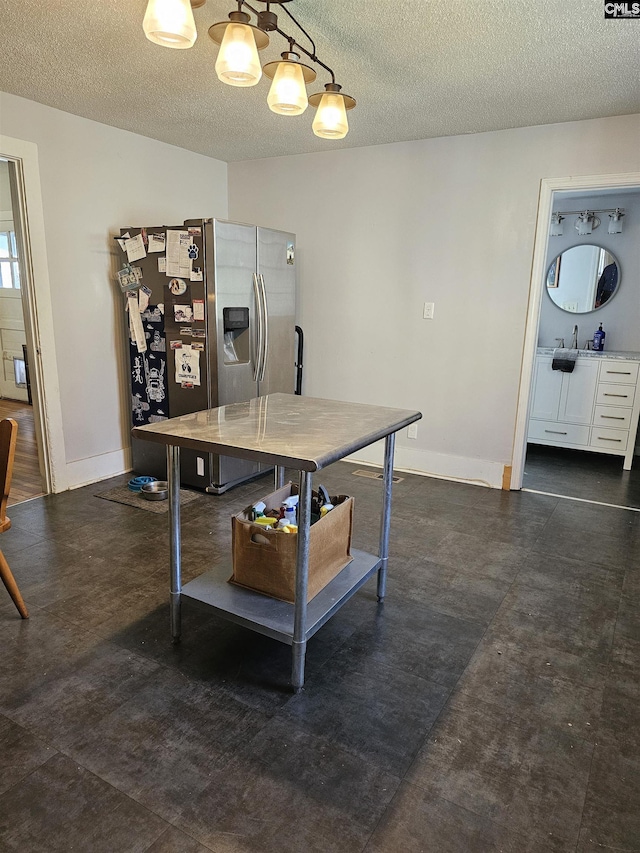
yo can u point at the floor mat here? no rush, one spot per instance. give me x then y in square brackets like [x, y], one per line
[122, 495]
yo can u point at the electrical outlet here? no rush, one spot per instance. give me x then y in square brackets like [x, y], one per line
[412, 431]
[427, 311]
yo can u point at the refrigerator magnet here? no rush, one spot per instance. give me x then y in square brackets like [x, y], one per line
[195, 231]
[193, 252]
[196, 274]
[178, 286]
[199, 333]
[162, 264]
[186, 384]
[197, 345]
[185, 330]
[182, 313]
[175, 344]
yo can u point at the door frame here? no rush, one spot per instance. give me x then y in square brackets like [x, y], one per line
[548, 186]
[38, 313]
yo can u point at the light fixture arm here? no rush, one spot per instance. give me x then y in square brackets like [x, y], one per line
[301, 28]
[292, 42]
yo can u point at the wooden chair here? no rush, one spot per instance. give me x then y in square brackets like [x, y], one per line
[8, 435]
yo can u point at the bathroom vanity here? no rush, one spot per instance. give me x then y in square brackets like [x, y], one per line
[594, 408]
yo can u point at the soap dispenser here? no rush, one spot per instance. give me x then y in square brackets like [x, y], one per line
[598, 340]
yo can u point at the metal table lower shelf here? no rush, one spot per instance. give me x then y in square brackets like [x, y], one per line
[269, 616]
[303, 433]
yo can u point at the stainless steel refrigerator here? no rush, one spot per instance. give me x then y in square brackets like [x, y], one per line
[219, 327]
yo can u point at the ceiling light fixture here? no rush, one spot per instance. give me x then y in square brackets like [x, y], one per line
[170, 23]
[288, 92]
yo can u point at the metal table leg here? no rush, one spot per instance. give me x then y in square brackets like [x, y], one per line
[385, 522]
[299, 645]
[279, 476]
[173, 479]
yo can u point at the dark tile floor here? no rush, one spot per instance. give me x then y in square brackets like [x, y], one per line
[491, 704]
[581, 474]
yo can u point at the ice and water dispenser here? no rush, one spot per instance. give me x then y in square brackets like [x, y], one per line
[236, 335]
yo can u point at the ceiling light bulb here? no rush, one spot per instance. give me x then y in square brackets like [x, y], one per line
[238, 63]
[170, 23]
[288, 94]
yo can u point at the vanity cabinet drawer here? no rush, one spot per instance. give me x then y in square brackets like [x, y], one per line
[609, 439]
[562, 433]
[608, 416]
[615, 395]
[620, 372]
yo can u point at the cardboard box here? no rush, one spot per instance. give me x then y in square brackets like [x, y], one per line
[268, 565]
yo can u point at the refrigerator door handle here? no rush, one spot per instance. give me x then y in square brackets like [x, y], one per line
[265, 327]
[259, 342]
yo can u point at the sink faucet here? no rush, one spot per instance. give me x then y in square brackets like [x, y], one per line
[574, 339]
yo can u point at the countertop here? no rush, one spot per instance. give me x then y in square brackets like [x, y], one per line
[587, 353]
[305, 433]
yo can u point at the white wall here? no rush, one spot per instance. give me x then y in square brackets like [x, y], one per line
[96, 179]
[620, 316]
[451, 220]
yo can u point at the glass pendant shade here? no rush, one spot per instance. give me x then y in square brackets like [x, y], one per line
[238, 63]
[288, 94]
[170, 23]
[331, 118]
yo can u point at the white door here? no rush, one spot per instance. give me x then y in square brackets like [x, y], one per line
[12, 333]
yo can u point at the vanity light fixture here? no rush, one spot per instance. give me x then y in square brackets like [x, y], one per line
[586, 222]
[556, 225]
[171, 23]
[615, 221]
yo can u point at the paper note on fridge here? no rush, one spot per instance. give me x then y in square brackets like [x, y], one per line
[122, 240]
[187, 365]
[135, 249]
[198, 309]
[156, 243]
[178, 260]
[162, 264]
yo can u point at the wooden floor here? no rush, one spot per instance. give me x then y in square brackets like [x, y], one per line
[26, 482]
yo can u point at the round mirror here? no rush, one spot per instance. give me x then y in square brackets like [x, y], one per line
[583, 278]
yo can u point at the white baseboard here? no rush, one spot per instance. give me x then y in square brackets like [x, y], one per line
[94, 468]
[463, 469]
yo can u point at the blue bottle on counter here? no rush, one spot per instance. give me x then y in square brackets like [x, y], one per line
[598, 340]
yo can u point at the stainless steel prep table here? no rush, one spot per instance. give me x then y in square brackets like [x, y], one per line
[304, 433]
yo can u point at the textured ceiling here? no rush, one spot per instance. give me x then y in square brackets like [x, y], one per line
[417, 68]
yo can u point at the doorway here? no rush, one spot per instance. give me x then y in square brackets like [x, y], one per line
[16, 392]
[541, 465]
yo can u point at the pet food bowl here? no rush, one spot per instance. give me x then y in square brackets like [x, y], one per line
[156, 491]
